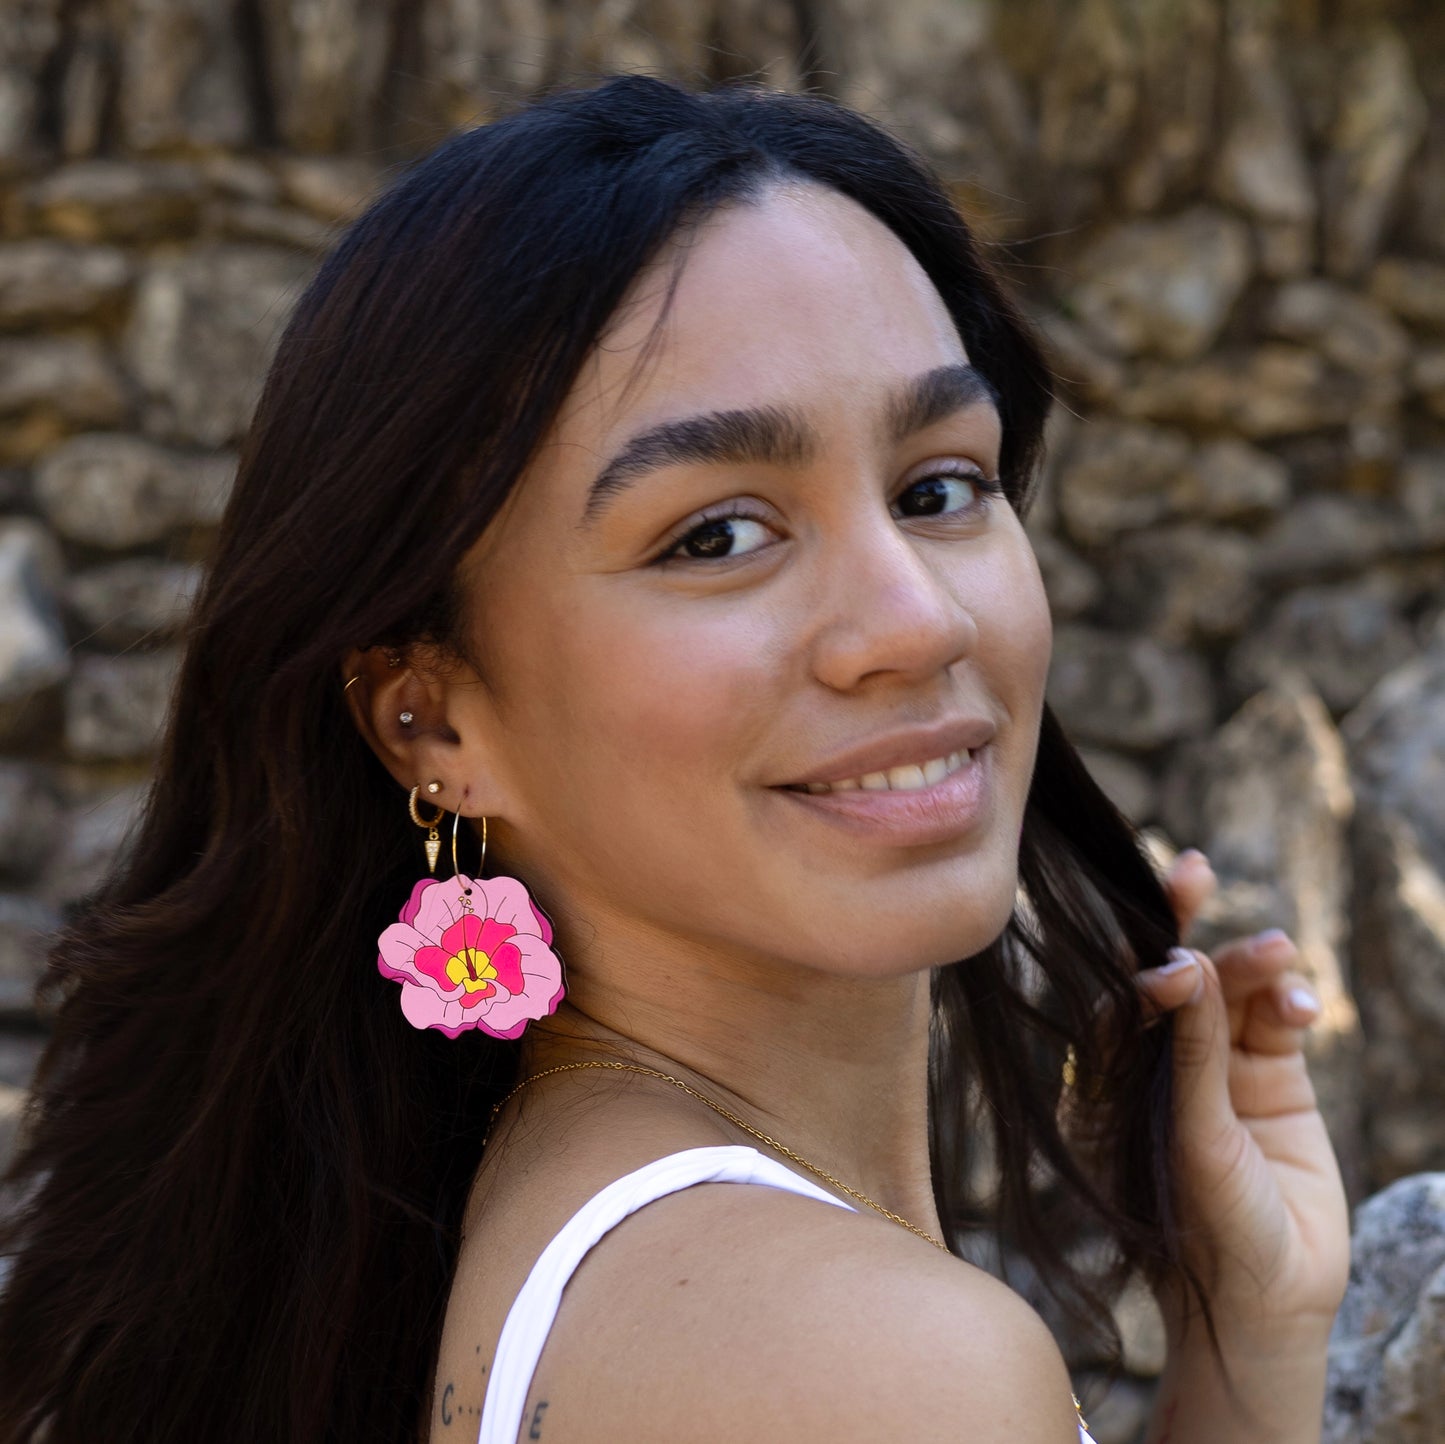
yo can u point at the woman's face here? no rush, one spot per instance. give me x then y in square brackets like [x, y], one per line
[765, 559]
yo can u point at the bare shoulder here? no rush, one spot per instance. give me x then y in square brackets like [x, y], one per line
[748, 1312]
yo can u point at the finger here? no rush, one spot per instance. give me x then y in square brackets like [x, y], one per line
[1189, 882]
[1276, 1018]
[1170, 986]
[1202, 1058]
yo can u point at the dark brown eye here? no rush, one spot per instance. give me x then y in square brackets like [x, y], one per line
[720, 538]
[946, 493]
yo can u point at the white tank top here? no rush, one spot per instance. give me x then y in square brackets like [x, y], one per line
[529, 1320]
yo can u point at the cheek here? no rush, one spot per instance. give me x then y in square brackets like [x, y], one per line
[638, 697]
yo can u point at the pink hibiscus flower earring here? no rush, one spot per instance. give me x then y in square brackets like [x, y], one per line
[470, 952]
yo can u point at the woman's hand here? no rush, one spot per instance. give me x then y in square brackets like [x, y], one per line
[1260, 1192]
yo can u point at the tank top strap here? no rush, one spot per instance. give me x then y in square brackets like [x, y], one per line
[529, 1320]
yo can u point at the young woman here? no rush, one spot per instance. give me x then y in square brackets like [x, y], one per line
[642, 481]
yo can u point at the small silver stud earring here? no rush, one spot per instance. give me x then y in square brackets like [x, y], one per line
[433, 788]
[406, 719]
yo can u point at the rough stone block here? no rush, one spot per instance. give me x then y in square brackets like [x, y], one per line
[1163, 287]
[1125, 691]
[117, 491]
[115, 707]
[50, 281]
[202, 334]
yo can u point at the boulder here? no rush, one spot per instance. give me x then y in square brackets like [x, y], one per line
[1162, 287]
[1347, 328]
[117, 200]
[29, 819]
[1396, 738]
[69, 378]
[94, 835]
[33, 653]
[1343, 636]
[53, 282]
[140, 599]
[116, 491]
[1263, 392]
[1230, 480]
[1124, 691]
[1182, 583]
[202, 334]
[1413, 290]
[115, 707]
[1274, 804]
[1386, 1380]
[26, 927]
[1379, 121]
[1260, 165]
[1322, 535]
[1118, 476]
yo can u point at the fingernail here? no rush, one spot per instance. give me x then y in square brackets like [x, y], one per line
[1271, 937]
[1303, 1001]
[1179, 959]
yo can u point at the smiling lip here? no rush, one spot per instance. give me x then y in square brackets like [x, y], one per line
[933, 814]
[899, 749]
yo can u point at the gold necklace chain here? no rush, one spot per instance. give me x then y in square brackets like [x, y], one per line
[737, 1122]
[747, 1128]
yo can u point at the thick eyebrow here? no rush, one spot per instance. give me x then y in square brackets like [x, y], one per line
[778, 436]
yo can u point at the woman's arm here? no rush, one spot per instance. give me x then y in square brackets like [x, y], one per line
[1260, 1193]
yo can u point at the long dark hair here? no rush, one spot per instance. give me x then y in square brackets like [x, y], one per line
[244, 1171]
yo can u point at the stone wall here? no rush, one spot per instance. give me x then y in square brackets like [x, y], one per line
[1228, 217]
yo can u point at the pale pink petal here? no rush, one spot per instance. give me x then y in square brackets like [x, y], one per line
[544, 923]
[441, 906]
[542, 972]
[398, 946]
[507, 900]
[422, 1008]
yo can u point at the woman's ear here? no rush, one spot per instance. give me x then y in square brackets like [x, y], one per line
[412, 718]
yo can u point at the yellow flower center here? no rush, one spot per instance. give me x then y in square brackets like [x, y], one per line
[472, 968]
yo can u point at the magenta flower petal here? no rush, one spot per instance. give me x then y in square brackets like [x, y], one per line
[413, 903]
[508, 963]
[433, 962]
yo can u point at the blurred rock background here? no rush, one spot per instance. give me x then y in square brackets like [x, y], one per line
[1228, 218]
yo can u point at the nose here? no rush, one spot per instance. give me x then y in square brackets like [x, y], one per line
[890, 606]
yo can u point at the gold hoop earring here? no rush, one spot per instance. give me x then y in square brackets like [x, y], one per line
[481, 862]
[433, 843]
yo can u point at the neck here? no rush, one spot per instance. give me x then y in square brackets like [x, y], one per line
[834, 1067]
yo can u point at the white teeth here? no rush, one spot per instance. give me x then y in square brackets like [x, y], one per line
[909, 778]
[906, 779]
